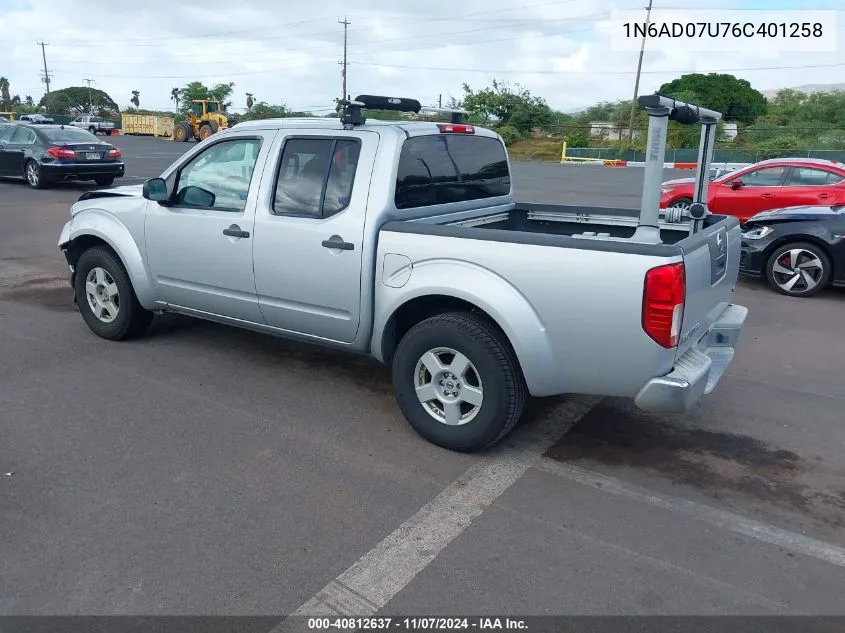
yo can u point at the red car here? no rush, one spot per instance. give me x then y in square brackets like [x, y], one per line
[769, 184]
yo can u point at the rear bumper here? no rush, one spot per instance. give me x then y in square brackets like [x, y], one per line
[80, 171]
[697, 372]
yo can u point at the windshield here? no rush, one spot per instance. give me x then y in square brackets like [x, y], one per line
[70, 135]
[211, 107]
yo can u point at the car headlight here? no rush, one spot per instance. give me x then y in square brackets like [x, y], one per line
[664, 190]
[758, 233]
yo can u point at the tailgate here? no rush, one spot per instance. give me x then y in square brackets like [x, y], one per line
[711, 260]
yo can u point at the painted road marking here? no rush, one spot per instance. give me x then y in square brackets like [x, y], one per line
[764, 532]
[375, 578]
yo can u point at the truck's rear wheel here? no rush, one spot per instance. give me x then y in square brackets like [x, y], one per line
[458, 382]
[105, 296]
[205, 131]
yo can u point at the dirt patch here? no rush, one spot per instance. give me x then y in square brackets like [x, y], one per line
[719, 464]
[53, 293]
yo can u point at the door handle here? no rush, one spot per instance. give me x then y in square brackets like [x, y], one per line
[824, 195]
[235, 231]
[768, 195]
[337, 242]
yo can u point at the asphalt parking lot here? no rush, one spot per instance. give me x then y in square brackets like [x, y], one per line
[204, 470]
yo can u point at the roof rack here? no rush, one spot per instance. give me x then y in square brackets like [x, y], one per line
[352, 115]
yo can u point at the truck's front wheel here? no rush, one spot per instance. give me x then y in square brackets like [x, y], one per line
[106, 298]
[458, 382]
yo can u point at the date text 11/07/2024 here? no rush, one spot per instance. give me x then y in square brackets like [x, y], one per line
[417, 624]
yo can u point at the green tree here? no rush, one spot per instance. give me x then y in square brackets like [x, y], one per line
[515, 106]
[196, 90]
[5, 96]
[135, 98]
[733, 97]
[74, 100]
[29, 102]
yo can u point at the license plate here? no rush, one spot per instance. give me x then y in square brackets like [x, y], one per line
[92, 156]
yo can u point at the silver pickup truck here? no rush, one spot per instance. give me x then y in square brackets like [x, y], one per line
[94, 124]
[401, 240]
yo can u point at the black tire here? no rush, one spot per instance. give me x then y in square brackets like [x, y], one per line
[820, 274]
[104, 181]
[93, 130]
[502, 384]
[131, 319]
[182, 132]
[205, 131]
[683, 202]
[214, 126]
[33, 175]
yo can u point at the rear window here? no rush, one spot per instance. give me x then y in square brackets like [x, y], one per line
[444, 168]
[69, 135]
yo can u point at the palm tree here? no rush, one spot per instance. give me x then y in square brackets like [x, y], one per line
[5, 97]
[134, 98]
[249, 101]
[174, 95]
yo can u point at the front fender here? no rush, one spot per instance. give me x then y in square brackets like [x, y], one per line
[490, 292]
[105, 226]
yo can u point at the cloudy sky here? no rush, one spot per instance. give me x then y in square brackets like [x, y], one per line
[288, 52]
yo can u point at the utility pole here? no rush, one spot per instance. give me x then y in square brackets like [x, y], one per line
[46, 78]
[440, 101]
[90, 100]
[345, 22]
[639, 69]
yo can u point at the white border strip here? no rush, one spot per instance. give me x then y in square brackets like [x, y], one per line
[370, 583]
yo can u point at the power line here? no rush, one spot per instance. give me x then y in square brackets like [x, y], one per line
[442, 18]
[592, 72]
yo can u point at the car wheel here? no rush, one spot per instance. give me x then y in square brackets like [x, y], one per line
[798, 269]
[93, 130]
[106, 298]
[104, 181]
[680, 203]
[33, 175]
[458, 382]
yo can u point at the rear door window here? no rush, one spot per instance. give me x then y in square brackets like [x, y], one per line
[445, 168]
[808, 177]
[316, 176]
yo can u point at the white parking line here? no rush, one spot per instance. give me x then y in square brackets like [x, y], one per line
[792, 541]
[384, 571]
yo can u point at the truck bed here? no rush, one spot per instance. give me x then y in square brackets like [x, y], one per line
[570, 221]
[586, 291]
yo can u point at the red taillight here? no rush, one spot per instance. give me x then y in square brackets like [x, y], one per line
[455, 128]
[114, 153]
[663, 304]
[61, 152]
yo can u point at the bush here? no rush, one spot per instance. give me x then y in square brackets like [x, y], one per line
[577, 139]
[509, 134]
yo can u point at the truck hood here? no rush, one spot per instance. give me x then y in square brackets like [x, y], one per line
[792, 214]
[114, 192]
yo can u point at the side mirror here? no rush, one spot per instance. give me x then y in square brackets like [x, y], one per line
[196, 197]
[155, 189]
[736, 184]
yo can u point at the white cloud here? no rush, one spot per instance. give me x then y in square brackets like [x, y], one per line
[560, 50]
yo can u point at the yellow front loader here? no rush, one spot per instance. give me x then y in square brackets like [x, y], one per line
[205, 118]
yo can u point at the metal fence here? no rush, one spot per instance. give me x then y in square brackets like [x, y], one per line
[691, 155]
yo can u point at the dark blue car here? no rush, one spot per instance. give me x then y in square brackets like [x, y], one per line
[41, 154]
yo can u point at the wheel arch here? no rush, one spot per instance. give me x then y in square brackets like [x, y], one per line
[102, 229]
[795, 239]
[491, 297]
